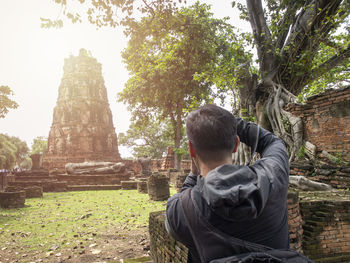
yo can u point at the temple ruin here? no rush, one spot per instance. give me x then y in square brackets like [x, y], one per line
[82, 127]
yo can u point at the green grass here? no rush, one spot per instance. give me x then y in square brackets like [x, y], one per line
[60, 219]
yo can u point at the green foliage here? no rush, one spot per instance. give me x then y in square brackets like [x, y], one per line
[339, 159]
[165, 51]
[39, 145]
[26, 163]
[5, 102]
[110, 13]
[12, 151]
[301, 152]
[149, 137]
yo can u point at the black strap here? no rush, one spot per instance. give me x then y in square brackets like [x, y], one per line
[210, 242]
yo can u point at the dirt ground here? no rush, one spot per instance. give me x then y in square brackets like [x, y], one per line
[115, 245]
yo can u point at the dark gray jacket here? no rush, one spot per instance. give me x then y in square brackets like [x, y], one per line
[246, 202]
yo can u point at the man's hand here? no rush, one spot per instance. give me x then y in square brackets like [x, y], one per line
[194, 169]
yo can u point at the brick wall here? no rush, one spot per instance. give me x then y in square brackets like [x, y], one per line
[337, 177]
[326, 227]
[164, 249]
[326, 119]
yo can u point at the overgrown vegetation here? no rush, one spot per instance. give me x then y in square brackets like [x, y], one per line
[59, 221]
[6, 103]
[13, 151]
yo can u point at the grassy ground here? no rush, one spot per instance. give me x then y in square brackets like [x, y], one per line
[64, 226]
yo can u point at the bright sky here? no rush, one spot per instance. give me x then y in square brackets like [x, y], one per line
[31, 63]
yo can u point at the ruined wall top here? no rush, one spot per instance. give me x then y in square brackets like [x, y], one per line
[326, 119]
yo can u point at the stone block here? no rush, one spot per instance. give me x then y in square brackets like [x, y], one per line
[12, 199]
[31, 191]
[142, 187]
[129, 185]
[158, 187]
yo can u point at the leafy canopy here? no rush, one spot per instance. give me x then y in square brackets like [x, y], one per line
[12, 151]
[39, 145]
[5, 102]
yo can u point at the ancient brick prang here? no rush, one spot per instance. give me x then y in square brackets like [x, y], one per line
[326, 119]
[82, 127]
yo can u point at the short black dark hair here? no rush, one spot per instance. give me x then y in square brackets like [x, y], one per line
[212, 131]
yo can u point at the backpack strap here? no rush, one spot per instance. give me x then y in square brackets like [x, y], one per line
[210, 242]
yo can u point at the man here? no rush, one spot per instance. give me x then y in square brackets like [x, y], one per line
[245, 202]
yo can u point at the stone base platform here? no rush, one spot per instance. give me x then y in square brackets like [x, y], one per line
[93, 187]
[95, 179]
[129, 185]
[37, 172]
[52, 186]
[31, 192]
[23, 178]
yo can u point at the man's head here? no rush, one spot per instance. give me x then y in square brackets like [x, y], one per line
[212, 133]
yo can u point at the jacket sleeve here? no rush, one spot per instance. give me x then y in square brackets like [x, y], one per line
[274, 158]
[190, 181]
[175, 222]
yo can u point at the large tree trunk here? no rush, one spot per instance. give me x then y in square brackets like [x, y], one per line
[177, 138]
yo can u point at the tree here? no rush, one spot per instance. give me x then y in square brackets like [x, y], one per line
[290, 38]
[12, 151]
[302, 47]
[5, 102]
[39, 145]
[147, 138]
[163, 54]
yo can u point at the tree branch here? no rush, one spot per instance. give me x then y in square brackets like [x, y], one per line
[284, 25]
[329, 64]
[311, 26]
[262, 36]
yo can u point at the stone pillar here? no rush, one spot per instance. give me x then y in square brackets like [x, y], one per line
[142, 187]
[145, 166]
[169, 160]
[36, 161]
[158, 187]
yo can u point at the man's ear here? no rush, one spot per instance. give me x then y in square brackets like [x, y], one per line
[236, 144]
[192, 151]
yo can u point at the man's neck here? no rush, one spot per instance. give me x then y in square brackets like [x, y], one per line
[207, 167]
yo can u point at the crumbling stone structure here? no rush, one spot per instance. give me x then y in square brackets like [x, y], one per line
[47, 186]
[82, 127]
[31, 192]
[169, 159]
[158, 187]
[12, 199]
[336, 176]
[129, 185]
[142, 187]
[326, 236]
[326, 119]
